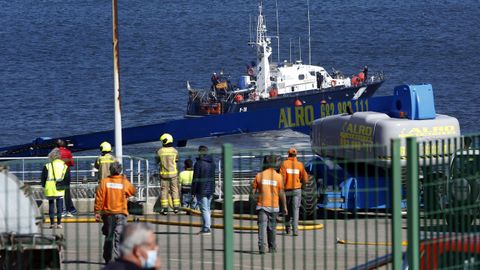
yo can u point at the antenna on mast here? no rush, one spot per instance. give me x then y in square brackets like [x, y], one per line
[299, 49]
[309, 41]
[290, 50]
[250, 29]
[278, 32]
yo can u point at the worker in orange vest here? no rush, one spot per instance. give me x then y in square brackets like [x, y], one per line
[111, 205]
[268, 190]
[293, 172]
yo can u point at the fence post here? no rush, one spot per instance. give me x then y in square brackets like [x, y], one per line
[228, 207]
[412, 204]
[396, 205]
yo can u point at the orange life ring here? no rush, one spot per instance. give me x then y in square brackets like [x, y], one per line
[333, 83]
[238, 98]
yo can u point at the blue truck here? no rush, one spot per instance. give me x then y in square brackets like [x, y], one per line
[352, 166]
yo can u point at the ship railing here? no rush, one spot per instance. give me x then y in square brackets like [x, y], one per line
[199, 94]
[375, 77]
[204, 95]
[83, 172]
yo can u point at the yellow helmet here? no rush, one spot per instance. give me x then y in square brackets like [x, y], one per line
[105, 147]
[166, 138]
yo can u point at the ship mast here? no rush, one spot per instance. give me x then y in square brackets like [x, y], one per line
[263, 53]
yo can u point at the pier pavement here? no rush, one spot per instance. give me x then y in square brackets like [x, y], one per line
[182, 248]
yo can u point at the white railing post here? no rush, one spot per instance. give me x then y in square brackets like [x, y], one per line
[131, 169]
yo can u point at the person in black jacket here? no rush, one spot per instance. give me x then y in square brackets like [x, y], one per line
[203, 186]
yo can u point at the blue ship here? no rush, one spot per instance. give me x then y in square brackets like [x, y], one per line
[274, 85]
[268, 97]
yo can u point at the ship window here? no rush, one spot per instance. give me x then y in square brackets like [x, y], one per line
[301, 77]
[312, 73]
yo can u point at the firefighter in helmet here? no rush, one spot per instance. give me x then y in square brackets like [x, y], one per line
[102, 164]
[167, 157]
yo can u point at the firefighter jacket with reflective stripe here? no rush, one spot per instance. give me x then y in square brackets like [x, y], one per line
[293, 173]
[55, 174]
[167, 162]
[112, 194]
[103, 165]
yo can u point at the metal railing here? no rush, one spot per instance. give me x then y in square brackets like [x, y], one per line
[29, 169]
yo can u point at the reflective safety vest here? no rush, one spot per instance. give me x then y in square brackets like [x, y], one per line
[186, 178]
[103, 165]
[293, 173]
[56, 172]
[168, 162]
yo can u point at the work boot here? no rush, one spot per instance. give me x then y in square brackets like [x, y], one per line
[287, 229]
[175, 210]
[164, 211]
[261, 250]
[205, 232]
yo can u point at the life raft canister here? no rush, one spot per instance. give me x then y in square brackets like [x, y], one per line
[361, 76]
[273, 92]
[355, 80]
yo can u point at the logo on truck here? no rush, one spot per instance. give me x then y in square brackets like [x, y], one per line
[428, 131]
[356, 134]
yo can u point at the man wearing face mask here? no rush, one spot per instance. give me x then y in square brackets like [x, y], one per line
[138, 247]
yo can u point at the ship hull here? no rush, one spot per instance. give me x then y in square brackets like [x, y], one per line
[331, 96]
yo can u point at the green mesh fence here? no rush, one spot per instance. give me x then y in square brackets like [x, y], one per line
[346, 219]
[449, 183]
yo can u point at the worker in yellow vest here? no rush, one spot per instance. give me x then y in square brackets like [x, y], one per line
[102, 164]
[55, 178]
[167, 157]
[186, 178]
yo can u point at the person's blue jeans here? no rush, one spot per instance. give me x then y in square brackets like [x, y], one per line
[205, 202]
[188, 200]
[51, 209]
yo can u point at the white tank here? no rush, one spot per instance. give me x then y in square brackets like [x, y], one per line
[18, 211]
[355, 132]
